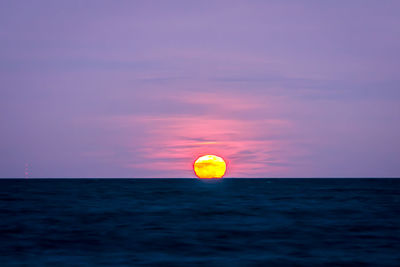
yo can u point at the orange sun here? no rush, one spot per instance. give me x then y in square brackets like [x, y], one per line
[209, 166]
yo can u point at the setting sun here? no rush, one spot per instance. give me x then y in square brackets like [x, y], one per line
[209, 166]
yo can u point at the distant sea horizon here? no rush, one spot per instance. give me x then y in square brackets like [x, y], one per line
[205, 179]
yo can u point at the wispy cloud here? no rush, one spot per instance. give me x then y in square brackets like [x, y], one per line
[172, 142]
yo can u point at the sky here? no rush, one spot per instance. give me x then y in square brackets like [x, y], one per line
[141, 88]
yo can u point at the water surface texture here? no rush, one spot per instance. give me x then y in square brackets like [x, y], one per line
[183, 222]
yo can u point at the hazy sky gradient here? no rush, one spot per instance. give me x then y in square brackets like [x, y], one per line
[141, 88]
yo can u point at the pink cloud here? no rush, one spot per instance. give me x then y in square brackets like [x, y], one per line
[170, 143]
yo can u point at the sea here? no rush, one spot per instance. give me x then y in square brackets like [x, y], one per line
[193, 222]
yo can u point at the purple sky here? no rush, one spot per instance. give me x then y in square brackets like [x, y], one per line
[141, 88]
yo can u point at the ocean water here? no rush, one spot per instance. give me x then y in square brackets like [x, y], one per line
[190, 222]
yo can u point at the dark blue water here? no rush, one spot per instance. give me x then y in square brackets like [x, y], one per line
[183, 222]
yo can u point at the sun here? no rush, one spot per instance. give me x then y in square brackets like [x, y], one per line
[209, 166]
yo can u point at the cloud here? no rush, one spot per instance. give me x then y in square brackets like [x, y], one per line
[171, 142]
